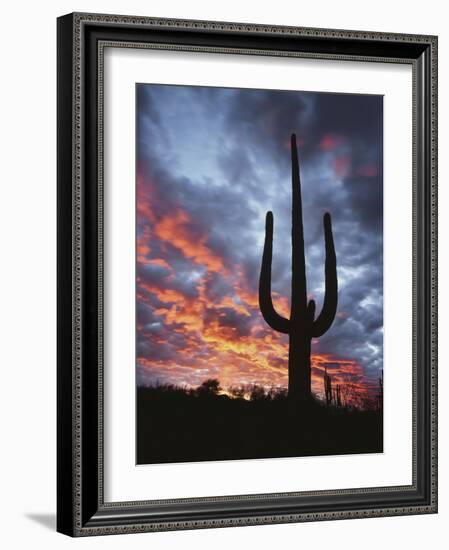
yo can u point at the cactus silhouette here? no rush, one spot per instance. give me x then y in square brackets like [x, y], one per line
[327, 387]
[302, 325]
[338, 396]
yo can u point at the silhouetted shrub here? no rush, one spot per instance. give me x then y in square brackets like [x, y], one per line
[209, 387]
[257, 393]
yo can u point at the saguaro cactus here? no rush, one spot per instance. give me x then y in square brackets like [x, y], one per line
[302, 325]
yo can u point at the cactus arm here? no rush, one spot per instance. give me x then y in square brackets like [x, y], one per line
[327, 315]
[276, 321]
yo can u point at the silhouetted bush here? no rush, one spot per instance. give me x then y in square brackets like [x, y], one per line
[209, 387]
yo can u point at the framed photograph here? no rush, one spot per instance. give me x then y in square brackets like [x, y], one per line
[247, 279]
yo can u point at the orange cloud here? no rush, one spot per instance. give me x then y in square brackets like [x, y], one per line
[330, 142]
[176, 229]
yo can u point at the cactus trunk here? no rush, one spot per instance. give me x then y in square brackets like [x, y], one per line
[302, 325]
[299, 372]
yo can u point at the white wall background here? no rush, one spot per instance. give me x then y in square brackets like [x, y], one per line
[27, 273]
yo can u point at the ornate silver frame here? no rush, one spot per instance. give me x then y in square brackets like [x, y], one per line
[81, 42]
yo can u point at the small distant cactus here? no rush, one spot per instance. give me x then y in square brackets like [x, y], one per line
[327, 388]
[302, 325]
[338, 396]
[380, 397]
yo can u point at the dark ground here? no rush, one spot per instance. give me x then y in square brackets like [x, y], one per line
[174, 425]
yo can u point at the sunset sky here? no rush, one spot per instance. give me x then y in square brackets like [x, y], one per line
[210, 163]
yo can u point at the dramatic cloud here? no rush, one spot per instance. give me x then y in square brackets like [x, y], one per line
[211, 162]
